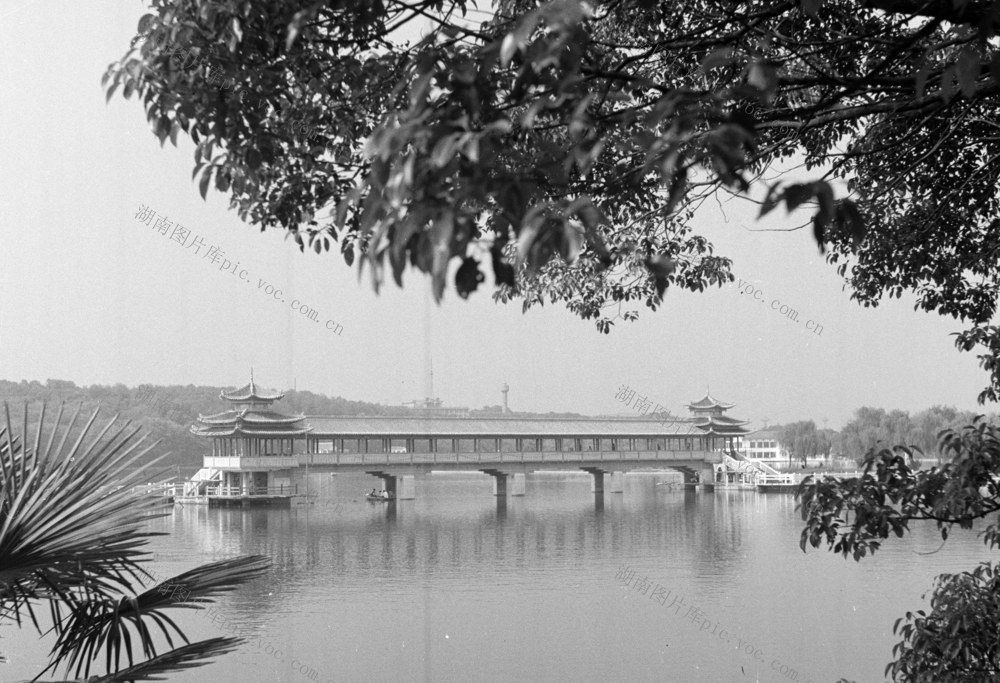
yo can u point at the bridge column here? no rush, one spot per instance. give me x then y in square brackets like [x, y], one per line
[617, 482]
[397, 487]
[499, 483]
[707, 476]
[597, 483]
[517, 485]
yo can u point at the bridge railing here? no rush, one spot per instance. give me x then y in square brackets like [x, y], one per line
[235, 491]
[494, 458]
[777, 479]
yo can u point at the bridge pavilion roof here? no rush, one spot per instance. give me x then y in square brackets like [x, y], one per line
[500, 427]
[722, 424]
[252, 423]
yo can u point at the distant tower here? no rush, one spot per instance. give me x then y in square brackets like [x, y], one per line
[504, 390]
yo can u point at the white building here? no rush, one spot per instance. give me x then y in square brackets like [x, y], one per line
[763, 445]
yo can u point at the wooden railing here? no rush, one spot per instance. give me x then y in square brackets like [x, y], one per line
[234, 491]
[492, 457]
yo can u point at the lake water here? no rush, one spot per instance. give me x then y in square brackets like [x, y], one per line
[456, 585]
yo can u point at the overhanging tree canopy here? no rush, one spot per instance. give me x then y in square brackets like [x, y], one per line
[568, 143]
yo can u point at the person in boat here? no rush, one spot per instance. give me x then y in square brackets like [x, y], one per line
[385, 494]
[373, 492]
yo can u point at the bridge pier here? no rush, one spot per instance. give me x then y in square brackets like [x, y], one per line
[704, 476]
[597, 481]
[499, 484]
[615, 483]
[399, 487]
[505, 482]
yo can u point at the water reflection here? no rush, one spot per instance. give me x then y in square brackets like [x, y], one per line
[452, 530]
[459, 584]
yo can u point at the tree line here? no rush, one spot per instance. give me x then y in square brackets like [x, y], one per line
[872, 428]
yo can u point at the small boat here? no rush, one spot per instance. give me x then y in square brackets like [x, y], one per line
[376, 498]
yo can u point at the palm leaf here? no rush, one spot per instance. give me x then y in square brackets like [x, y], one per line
[72, 537]
[186, 657]
[106, 625]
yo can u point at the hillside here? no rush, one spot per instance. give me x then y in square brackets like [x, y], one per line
[167, 412]
[164, 412]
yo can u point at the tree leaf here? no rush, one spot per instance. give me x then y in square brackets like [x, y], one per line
[508, 47]
[205, 180]
[796, 195]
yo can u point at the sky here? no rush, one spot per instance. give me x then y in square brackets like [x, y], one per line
[91, 294]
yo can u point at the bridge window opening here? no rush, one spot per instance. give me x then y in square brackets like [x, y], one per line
[605, 444]
[397, 446]
[528, 445]
[444, 445]
[508, 445]
[466, 446]
[549, 446]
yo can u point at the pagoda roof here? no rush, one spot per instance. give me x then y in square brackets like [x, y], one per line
[709, 402]
[719, 420]
[245, 422]
[236, 430]
[247, 416]
[251, 392]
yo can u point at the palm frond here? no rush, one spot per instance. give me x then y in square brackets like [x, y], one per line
[107, 625]
[65, 531]
[72, 535]
[186, 657]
